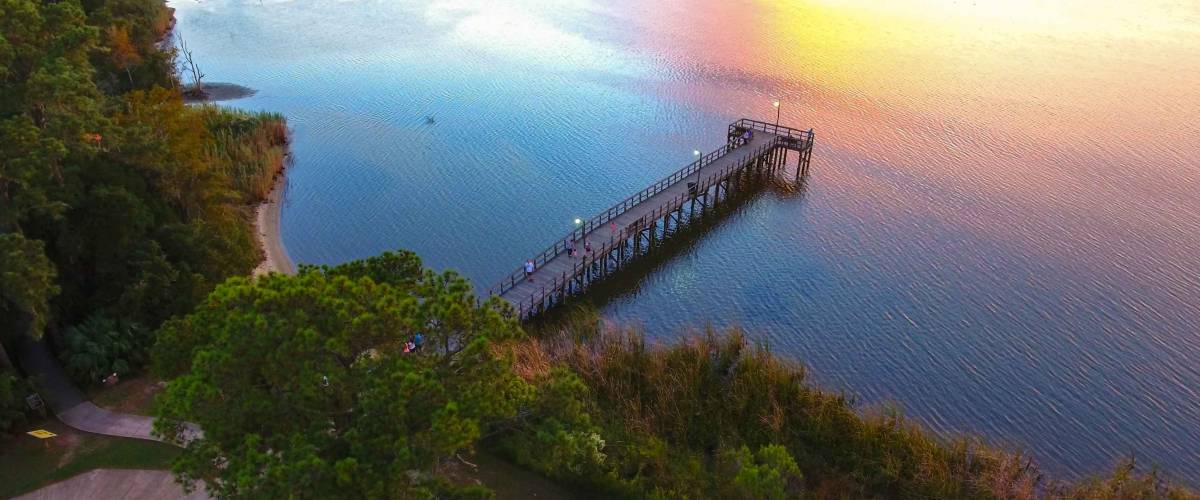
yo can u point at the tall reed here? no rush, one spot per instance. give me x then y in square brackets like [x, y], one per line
[249, 148]
[669, 413]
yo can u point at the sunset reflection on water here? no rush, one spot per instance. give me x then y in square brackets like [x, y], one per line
[999, 230]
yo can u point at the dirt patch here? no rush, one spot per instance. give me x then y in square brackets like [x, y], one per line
[64, 445]
[135, 395]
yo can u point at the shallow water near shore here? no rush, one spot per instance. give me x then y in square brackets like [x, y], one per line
[999, 231]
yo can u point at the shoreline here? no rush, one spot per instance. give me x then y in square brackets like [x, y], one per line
[217, 92]
[266, 229]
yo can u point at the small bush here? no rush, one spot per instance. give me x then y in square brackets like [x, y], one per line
[771, 473]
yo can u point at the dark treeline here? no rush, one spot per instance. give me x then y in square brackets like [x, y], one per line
[120, 206]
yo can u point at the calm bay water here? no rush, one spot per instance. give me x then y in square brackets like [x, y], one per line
[999, 233]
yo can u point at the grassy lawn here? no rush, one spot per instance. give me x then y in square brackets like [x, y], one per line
[28, 463]
[134, 395]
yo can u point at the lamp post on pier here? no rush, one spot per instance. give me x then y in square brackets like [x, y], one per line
[696, 155]
[776, 104]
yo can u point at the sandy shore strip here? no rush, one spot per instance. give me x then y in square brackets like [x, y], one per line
[266, 226]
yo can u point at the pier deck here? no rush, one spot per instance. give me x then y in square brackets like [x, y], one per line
[636, 225]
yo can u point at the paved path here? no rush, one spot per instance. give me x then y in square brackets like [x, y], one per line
[116, 484]
[72, 408]
[86, 416]
[70, 404]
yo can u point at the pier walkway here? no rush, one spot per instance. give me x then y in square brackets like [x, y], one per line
[640, 223]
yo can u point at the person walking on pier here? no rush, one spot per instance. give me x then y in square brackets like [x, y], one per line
[529, 270]
[571, 247]
[587, 246]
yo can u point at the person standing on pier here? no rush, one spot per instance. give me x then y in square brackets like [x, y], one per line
[587, 246]
[529, 270]
[571, 247]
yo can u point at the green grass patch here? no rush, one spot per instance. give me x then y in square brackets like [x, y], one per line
[28, 463]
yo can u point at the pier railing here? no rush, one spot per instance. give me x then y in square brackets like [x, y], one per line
[794, 134]
[526, 306]
[615, 211]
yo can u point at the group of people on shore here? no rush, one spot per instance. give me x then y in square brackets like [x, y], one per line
[414, 344]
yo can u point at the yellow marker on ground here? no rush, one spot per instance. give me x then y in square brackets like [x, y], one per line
[41, 434]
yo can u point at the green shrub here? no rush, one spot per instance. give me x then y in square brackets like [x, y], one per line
[101, 346]
[12, 401]
[771, 473]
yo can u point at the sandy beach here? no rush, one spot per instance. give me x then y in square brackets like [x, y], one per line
[266, 225]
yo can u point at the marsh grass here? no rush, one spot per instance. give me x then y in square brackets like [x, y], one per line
[668, 413]
[250, 148]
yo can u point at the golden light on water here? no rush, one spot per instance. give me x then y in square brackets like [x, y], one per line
[1020, 102]
[1070, 71]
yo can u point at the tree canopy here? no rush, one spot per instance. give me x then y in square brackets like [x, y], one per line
[26, 283]
[117, 201]
[303, 386]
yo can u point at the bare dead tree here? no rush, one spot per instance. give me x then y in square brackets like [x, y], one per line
[190, 67]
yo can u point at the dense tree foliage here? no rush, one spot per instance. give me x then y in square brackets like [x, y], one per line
[116, 199]
[12, 401]
[304, 386]
[26, 285]
[101, 346]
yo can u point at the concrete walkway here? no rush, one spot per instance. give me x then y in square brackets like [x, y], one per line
[86, 416]
[116, 484]
[73, 408]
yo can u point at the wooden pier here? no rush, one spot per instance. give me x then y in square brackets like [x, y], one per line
[641, 223]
